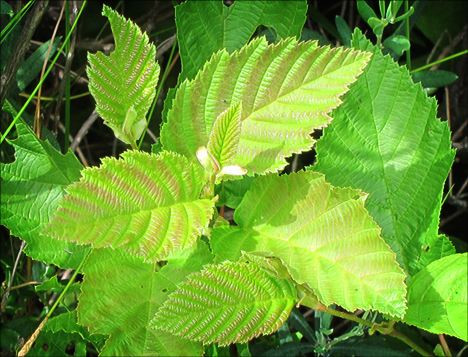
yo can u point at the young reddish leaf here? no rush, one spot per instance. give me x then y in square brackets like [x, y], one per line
[228, 303]
[144, 202]
[286, 89]
[124, 83]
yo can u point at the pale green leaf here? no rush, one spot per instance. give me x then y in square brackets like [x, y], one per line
[286, 90]
[437, 297]
[31, 190]
[224, 137]
[121, 294]
[323, 234]
[205, 27]
[124, 83]
[386, 139]
[144, 202]
[228, 303]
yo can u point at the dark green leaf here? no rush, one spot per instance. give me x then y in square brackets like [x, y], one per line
[344, 31]
[365, 10]
[434, 79]
[397, 43]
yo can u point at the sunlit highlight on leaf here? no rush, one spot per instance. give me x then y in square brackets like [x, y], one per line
[228, 303]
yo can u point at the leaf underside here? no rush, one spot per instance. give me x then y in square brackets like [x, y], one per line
[228, 303]
[146, 203]
[286, 91]
[323, 234]
[387, 141]
[126, 80]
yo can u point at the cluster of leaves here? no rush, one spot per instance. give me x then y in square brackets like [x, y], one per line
[165, 274]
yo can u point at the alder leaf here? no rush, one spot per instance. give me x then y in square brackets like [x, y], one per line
[121, 294]
[144, 202]
[386, 140]
[228, 303]
[224, 137]
[286, 90]
[437, 297]
[31, 189]
[323, 234]
[124, 83]
[206, 27]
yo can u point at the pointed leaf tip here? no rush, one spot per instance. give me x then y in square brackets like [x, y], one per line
[124, 83]
[287, 91]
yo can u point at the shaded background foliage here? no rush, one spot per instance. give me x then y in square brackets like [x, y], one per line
[441, 29]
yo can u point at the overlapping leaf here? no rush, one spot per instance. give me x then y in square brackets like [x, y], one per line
[31, 190]
[124, 83]
[324, 235]
[437, 297]
[228, 303]
[204, 28]
[224, 137]
[144, 202]
[386, 140]
[121, 294]
[286, 90]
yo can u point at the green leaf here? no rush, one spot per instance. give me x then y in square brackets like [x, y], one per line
[144, 202]
[387, 141]
[32, 66]
[344, 30]
[205, 27]
[58, 333]
[121, 294]
[437, 297]
[365, 10]
[434, 79]
[31, 190]
[286, 90]
[56, 286]
[398, 44]
[231, 193]
[325, 237]
[224, 137]
[228, 303]
[124, 83]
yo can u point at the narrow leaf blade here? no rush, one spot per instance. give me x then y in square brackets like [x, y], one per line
[144, 202]
[228, 303]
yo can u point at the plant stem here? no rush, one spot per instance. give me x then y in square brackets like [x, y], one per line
[440, 61]
[408, 54]
[43, 79]
[385, 328]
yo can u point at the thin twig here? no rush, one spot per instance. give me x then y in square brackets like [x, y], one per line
[68, 62]
[7, 293]
[22, 46]
[83, 130]
[78, 150]
[37, 122]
